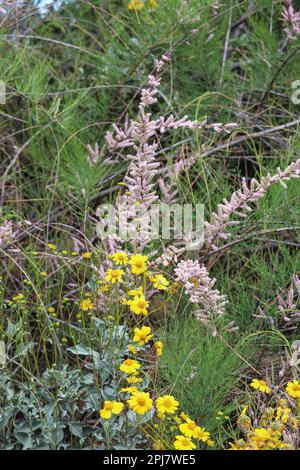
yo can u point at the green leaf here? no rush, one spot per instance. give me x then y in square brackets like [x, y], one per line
[76, 429]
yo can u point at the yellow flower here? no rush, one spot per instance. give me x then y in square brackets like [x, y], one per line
[135, 5]
[51, 246]
[138, 264]
[267, 439]
[120, 258]
[139, 305]
[110, 407]
[293, 389]
[135, 292]
[114, 275]
[201, 434]
[189, 429]
[129, 366]
[134, 380]
[86, 304]
[282, 414]
[64, 252]
[43, 273]
[103, 288]
[86, 255]
[262, 434]
[160, 282]
[140, 402]
[129, 390]
[184, 416]
[142, 336]
[132, 349]
[184, 443]
[51, 310]
[260, 385]
[159, 445]
[210, 443]
[158, 346]
[167, 404]
[153, 3]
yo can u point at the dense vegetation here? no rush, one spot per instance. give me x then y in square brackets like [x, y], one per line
[71, 304]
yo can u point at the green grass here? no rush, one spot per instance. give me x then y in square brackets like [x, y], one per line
[202, 372]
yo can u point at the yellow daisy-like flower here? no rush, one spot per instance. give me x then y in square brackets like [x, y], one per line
[142, 335]
[293, 389]
[189, 429]
[86, 255]
[86, 304]
[184, 443]
[262, 433]
[136, 5]
[160, 282]
[260, 385]
[167, 404]
[134, 380]
[132, 349]
[138, 264]
[103, 288]
[261, 436]
[140, 402]
[120, 258]
[139, 305]
[51, 310]
[114, 275]
[135, 292]
[201, 434]
[111, 407]
[158, 346]
[51, 246]
[130, 366]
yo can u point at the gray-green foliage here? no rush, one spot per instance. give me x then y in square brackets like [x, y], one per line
[60, 409]
[47, 413]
